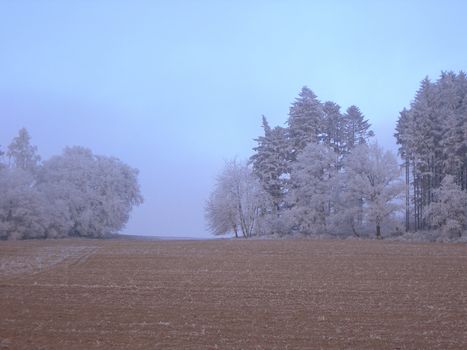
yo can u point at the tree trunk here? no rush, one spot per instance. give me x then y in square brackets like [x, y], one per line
[353, 230]
[407, 195]
[378, 231]
[415, 198]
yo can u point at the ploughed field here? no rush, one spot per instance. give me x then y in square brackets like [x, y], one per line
[232, 294]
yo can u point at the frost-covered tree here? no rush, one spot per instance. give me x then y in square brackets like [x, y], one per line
[372, 176]
[419, 145]
[304, 122]
[333, 133]
[21, 153]
[451, 104]
[326, 136]
[432, 139]
[405, 151]
[448, 211]
[23, 211]
[95, 193]
[221, 212]
[269, 162]
[312, 180]
[2, 165]
[357, 128]
[236, 201]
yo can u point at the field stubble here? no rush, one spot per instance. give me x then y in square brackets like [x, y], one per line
[232, 294]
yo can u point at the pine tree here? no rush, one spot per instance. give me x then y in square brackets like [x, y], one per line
[304, 122]
[462, 116]
[432, 140]
[21, 153]
[357, 128]
[425, 137]
[452, 91]
[333, 127]
[405, 151]
[270, 163]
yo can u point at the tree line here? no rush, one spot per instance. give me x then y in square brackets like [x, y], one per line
[76, 193]
[318, 175]
[324, 174]
[432, 139]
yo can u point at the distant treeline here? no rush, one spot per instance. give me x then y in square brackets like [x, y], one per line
[76, 193]
[322, 174]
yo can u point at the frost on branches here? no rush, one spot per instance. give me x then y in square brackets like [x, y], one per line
[73, 194]
[312, 179]
[432, 135]
[448, 211]
[98, 192]
[372, 184]
[22, 206]
[319, 175]
[236, 202]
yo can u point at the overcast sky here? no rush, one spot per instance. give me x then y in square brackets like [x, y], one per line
[174, 88]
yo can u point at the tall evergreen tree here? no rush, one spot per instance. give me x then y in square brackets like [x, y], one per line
[405, 149]
[432, 141]
[269, 162]
[333, 127]
[21, 153]
[304, 122]
[357, 128]
[452, 92]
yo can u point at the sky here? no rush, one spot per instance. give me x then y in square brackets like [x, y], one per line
[176, 88]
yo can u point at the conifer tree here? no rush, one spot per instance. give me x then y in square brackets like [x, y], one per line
[305, 121]
[333, 127]
[270, 164]
[432, 139]
[21, 153]
[357, 128]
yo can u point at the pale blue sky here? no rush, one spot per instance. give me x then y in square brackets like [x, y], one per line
[176, 87]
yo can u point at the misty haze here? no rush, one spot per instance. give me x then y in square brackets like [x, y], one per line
[245, 175]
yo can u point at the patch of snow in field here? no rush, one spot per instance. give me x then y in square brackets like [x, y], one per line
[41, 258]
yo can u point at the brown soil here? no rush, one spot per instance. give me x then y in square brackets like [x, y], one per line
[262, 294]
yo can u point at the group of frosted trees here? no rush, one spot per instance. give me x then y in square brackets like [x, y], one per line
[76, 193]
[321, 174]
[318, 175]
[432, 135]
